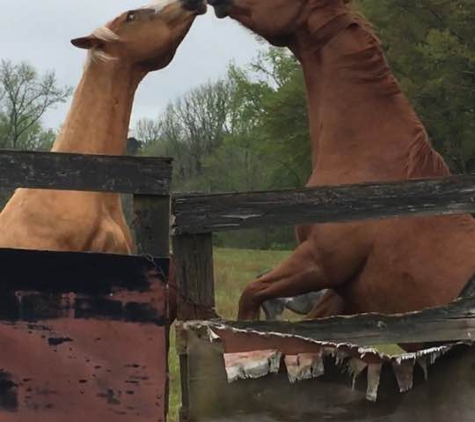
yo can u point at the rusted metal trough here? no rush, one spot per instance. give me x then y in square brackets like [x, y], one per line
[84, 337]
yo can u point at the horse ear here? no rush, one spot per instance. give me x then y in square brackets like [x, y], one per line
[86, 42]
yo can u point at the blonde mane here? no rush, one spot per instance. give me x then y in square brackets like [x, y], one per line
[159, 5]
[422, 159]
[105, 34]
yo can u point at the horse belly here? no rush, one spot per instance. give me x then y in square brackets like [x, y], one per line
[415, 263]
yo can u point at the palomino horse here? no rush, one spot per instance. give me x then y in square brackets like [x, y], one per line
[362, 129]
[121, 54]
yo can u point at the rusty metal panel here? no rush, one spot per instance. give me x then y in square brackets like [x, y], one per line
[341, 383]
[83, 337]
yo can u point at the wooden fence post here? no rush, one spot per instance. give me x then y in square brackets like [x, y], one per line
[195, 276]
[195, 285]
[152, 225]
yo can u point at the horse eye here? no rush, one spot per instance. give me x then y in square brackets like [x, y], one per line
[130, 16]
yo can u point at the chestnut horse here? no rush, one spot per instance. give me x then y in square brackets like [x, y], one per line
[363, 129]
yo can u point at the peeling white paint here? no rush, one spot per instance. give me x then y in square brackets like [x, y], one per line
[304, 366]
[213, 336]
[374, 376]
[251, 365]
[424, 364]
[355, 368]
[404, 374]
[241, 217]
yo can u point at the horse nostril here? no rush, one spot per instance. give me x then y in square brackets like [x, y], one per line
[221, 7]
[216, 2]
[193, 4]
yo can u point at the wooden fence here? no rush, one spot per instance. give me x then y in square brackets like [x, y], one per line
[47, 307]
[206, 394]
[196, 217]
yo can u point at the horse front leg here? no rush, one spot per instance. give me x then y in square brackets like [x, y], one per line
[299, 274]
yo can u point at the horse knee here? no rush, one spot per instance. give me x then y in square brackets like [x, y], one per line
[255, 290]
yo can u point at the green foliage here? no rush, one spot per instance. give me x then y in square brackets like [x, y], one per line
[430, 45]
[244, 133]
[24, 98]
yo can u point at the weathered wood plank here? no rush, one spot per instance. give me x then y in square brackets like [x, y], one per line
[152, 224]
[236, 211]
[195, 277]
[453, 322]
[42, 170]
[446, 395]
[195, 291]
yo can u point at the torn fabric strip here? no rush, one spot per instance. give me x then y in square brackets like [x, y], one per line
[252, 364]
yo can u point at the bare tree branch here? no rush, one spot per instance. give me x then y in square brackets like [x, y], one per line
[25, 97]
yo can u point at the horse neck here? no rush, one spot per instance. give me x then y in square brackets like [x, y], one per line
[361, 124]
[99, 117]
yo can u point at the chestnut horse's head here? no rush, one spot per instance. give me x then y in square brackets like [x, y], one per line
[145, 38]
[279, 21]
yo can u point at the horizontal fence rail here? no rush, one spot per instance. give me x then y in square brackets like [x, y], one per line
[454, 322]
[79, 172]
[194, 214]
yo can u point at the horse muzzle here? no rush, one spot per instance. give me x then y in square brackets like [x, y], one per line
[221, 7]
[198, 6]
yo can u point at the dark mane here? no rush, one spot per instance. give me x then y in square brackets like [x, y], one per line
[423, 161]
[365, 24]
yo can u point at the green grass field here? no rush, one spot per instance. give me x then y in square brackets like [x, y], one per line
[233, 268]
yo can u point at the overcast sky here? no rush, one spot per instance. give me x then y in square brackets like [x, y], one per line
[39, 31]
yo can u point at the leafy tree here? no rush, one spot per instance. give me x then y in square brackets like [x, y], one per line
[25, 96]
[431, 47]
[190, 129]
[273, 96]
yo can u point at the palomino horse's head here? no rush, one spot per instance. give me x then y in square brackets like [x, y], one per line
[145, 38]
[279, 21]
